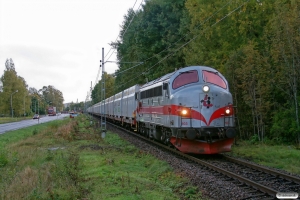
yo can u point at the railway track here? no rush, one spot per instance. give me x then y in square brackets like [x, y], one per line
[257, 181]
[261, 178]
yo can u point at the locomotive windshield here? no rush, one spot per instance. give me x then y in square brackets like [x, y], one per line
[185, 78]
[214, 78]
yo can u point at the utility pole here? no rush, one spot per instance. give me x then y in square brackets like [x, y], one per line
[24, 104]
[12, 110]
[103, 117]
[91, 97]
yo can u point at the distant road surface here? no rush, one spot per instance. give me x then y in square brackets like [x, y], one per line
[28, 122]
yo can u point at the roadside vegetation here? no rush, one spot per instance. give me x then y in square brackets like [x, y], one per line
[254, 44]
[284, 157]
[68, 159]
[4, 120]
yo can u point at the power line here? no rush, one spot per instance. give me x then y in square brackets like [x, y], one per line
[190, 31]
[224, 17]
[181, 37]
[125, 29]
[97, 78]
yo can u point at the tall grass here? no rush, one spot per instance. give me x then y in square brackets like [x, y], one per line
[69, 160]
[277, 156]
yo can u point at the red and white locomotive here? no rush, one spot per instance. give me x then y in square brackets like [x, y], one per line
[191, 108]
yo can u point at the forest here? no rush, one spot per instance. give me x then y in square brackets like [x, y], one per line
[17, 99]
[254, 43]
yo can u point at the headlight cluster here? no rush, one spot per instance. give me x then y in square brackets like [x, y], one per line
[228, 111]
[205, 88]
[184, 112]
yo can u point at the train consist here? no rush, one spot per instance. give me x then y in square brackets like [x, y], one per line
[191, 109]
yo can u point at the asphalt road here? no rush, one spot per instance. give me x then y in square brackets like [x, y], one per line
[29, 122]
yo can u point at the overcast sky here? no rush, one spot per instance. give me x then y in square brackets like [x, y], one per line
[59, 42]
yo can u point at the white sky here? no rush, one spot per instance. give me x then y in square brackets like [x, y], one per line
[59, 42]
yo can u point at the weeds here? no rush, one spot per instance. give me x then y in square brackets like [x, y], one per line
[65, 132]
[277, 156]
[87, 167]
[3, 158]
[190, 192]
[50, 155]
[34, 132]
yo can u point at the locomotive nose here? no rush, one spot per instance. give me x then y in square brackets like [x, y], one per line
[230, 133]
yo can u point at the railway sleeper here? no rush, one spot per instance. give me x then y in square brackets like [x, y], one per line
[271, 178]
[251, 190]
[268, 198]
[228, 179]
[257, 195]
[252, 196]
[292, 184]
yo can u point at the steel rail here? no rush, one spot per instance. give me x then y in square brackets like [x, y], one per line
[253, 184]
[264, 169]
[248, 182]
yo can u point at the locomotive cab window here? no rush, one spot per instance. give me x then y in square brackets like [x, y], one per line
[185, 78]
[214, 78]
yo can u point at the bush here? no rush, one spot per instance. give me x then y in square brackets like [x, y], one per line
[284, 126]
[3, 159]
[34, 132]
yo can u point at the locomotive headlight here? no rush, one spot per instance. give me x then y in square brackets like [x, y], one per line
[227, 111]
[184, 112]
[205, 88]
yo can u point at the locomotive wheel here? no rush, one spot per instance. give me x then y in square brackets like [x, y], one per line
[163, 137]
[167, 140]
[143, 131]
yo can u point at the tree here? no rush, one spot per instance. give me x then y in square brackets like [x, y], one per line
[11, 83]
[151, 36]
[284, 47]
[255, 44]
[109, 88]
[52, 97]
[252, 81]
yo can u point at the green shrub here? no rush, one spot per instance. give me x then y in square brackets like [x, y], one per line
[34, 132]
[3, 159]
[284, 127]
[190, 192]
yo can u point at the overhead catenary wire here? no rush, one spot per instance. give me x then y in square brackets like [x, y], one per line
[224, 17]
[125, 30]
[180, 38]
[97, 78]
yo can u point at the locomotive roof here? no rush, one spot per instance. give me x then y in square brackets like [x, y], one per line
[167, 76]
[160, 79]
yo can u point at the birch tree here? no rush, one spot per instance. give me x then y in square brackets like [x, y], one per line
[285, 51]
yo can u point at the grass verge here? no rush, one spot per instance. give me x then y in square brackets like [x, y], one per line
[277, 156]
[4, 120]
[67, 159]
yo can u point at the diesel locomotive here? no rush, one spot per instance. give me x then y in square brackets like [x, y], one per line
[190, 109]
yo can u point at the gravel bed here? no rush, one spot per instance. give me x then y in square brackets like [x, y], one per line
[208, 182]
[271, 181]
